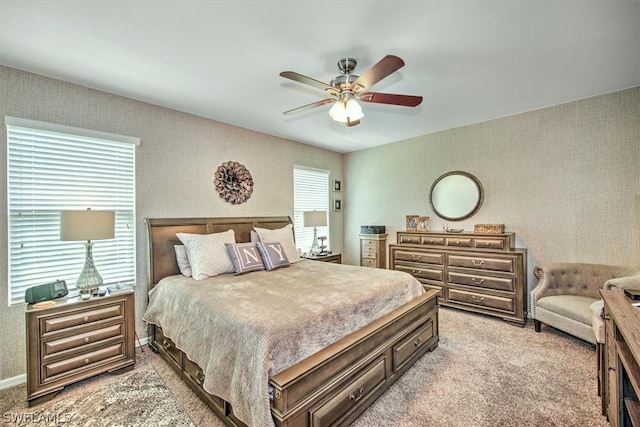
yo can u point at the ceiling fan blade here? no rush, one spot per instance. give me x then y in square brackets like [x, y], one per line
[308, 81]
[379, 71]
[390, 98]
[310, 106]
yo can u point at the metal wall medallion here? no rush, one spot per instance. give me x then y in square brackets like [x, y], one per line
[233, 182]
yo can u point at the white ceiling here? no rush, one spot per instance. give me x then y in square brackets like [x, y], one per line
[470, 60]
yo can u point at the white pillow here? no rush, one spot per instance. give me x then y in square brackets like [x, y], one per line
[207, 253]
[183, 260]
[283, 235]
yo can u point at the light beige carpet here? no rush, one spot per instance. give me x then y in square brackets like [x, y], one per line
[484, 373]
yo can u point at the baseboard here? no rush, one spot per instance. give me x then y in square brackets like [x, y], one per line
[21, 379]
[12, 382]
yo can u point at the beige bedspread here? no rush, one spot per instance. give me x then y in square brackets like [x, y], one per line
[242, 329]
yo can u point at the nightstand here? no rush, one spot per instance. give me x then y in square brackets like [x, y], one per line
[335, 258]
[76, 339]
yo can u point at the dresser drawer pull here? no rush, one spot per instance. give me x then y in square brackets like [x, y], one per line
[417, 342]
[86, 339]
[87, 361]
[415, 271]
[357, 395]
[477, 264]
[476, 281]
[414, 256]
[166, 344]
[457, 242]
[477, 300]
[605, 316]
[85, 319]
[199, 377]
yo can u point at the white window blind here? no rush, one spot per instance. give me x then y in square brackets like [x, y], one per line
[310, 192]
[52, 168]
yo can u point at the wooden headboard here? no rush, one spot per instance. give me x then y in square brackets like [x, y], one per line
[162, 237]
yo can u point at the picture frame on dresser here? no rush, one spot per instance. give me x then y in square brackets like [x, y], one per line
[411, 222]
[423, 223]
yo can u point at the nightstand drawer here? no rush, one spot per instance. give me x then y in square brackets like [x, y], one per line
[83, 361]
[74, 341]
[81, 317]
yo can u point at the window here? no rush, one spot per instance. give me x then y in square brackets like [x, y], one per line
[310, 192]
[52, 168]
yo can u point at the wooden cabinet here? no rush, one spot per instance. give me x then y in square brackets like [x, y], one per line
[471, 271]
[76, 339]
[621, 367]
[373, 250]
[335, 258]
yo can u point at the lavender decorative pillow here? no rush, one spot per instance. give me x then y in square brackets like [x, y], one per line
[273, 255]
[244, 257]
[207, 253]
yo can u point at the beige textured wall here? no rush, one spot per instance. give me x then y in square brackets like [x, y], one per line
[175, 163]
[565, 179]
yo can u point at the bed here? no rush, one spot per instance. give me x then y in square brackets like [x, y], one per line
[331, 386]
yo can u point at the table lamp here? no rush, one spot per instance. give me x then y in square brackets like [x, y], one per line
[315, 219]
[87, 225]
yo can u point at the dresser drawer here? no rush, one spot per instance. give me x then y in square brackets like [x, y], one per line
[459, 242]
[482, 263]
[83, 361]
[350, 396]
[81, 317]
[490, 243]
[505, 304]
[430, 240]
[369, 245]
[368, 262]
[369, 254]
[498, 283]
[410, 239]
[422, 257]
[56, 346]
[410, 345]
[422, 272]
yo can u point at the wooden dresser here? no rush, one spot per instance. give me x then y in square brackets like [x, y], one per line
[621, 367]
[76, 339]
[483, 273]
[373, 250]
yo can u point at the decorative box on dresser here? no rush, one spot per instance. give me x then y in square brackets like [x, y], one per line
[480, 272]
[621, 367]
[373, 250]
[76, 339]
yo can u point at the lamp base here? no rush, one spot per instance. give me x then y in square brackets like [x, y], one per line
[89, 279]
[315, 247]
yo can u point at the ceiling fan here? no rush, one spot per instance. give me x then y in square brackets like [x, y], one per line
[346, 89]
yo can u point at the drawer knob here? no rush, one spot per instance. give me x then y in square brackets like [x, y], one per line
[476, 281]
[86, 339]
[414, 256]
[478, 300]
[457, 242]
[417, 342]
[605, 316]
[199, 377]
[477, 263]
[87, 361]
[85, 319]
[166, 344]
[415, 271]
[357, 395]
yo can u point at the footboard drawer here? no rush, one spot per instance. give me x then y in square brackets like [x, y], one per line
[350, 396]
[410, 345]
[168, 346]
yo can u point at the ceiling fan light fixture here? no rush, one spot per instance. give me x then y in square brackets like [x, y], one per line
[346, 111]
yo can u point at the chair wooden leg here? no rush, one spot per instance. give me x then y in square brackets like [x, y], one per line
[537, 324]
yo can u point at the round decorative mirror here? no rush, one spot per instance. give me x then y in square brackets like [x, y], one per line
[456, 196]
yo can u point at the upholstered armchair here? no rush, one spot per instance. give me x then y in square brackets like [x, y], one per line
[565, 292]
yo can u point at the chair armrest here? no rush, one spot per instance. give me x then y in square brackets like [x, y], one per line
[629, 282]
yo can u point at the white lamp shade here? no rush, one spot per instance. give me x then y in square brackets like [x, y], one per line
[315, 218]
[338, 112]
[87, 225]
